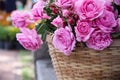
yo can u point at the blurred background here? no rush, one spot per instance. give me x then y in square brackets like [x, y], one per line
[15, 62]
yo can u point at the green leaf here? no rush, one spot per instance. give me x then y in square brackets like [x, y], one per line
[43, 29]
[48, 10]
[44, 36]
[116, 35]
[51, 1]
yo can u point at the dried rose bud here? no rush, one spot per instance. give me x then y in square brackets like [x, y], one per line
[71, 21]
[76, 17]
[52, 5]
[55, 11]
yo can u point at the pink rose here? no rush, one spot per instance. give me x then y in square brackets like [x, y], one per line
[38, 11]
[110, 8]
[29, 39]
[106, 22]
[117, 2]
[58, 22]
[83, 31]
[20, 19]
[89, 9]
[64, 40]
[66, 13]
[99, 40]
[64, 3]
[108, 5]
[118, 25]
[109, 1]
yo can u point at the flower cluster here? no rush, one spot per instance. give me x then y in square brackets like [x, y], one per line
[92, 22]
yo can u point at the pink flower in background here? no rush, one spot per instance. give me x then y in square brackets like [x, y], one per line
[64, 3]
[38, 11]
[29, 39]
[64, 40]
[83, 31]
[89, 9]
[99, 40]
[20, 19]
[117, 2]
[58, 22]
[1, 17]
[106, 21]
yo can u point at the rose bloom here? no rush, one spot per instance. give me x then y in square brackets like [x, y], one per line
[20, 19]
[66, 13]
[108, 5]
[99, 40]
[89, 9]
[111, 8]
[38, 11]
[83, 31]
[29, 39]
[58, 22]
[64, 40]
[117, 2]
[106, 21]
[65, 4]
[118, 25]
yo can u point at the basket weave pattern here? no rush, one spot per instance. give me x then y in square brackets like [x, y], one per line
[87, 64]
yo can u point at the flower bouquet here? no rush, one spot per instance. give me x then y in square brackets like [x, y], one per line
[83, 36]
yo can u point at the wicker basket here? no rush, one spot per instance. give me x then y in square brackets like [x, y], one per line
[87, 64]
